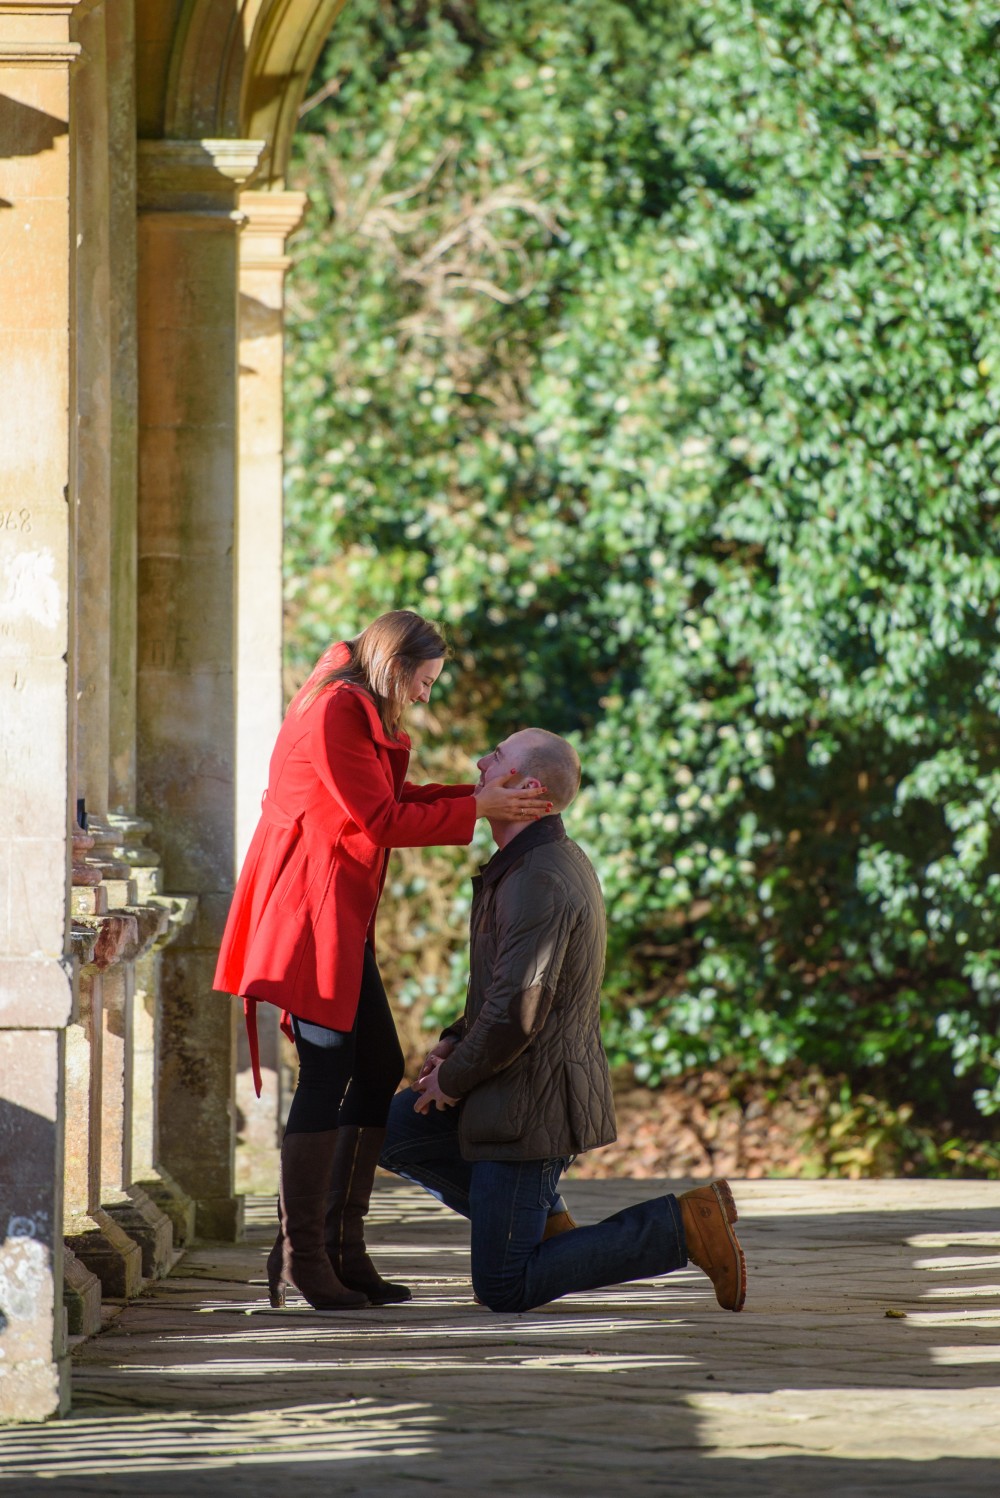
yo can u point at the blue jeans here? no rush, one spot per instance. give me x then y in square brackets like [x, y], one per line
[508, 1202]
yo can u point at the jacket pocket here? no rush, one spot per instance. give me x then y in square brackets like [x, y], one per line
[307, 870]
[496, 1112]
[289, 863]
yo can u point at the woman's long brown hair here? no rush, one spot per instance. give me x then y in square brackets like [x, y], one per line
[383, 659]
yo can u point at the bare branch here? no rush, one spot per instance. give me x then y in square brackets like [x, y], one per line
[331, 88]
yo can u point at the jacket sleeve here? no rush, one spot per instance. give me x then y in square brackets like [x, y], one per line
[413, 792]
[345, 758]
[534, 926]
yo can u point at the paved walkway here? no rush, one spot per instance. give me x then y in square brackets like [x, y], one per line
[867, 1362]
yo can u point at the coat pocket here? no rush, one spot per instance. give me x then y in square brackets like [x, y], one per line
[287, 886]
[498, 1111]
[306, 878]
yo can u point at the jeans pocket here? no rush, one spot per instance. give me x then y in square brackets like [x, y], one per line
[548, 1184]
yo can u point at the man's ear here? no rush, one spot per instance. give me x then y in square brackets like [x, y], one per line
[530, 784]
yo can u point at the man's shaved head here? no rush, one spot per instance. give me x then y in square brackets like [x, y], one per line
[544, 756]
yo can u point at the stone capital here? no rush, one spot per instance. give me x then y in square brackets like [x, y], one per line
[195, 176]
[38, 33]
[38, 54]
[270, 217]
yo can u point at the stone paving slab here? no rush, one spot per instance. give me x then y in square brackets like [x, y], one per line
[866, 1363]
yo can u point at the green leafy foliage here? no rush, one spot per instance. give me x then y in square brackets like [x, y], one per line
[653, 349]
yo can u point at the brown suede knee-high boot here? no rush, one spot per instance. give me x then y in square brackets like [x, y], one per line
[355, 1159]
[306, 1168]
[275, 1268]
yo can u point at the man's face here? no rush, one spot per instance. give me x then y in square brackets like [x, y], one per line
[500, 761]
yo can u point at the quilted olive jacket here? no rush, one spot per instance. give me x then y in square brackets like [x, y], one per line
[530, 1066]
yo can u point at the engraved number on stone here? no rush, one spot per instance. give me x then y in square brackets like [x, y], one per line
[15, 520]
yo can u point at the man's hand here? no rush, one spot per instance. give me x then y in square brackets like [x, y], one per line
[429, 1087]
[436, 1055]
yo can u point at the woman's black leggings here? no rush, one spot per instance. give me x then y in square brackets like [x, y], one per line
[348, 1076]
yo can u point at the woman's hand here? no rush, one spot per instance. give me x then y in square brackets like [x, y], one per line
[504, 803]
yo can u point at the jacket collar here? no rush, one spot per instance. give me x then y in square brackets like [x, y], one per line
[402, 739]
[545, 830]
[332, 659]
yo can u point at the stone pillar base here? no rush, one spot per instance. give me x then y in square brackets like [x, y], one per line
[81, 1297]
[220, 1217]
[146, 1225]
[108, 1252]
[35, 1391]
[174, 1203]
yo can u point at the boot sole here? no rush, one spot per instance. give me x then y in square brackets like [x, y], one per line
[276, 1300]
[300, 1310]
[724, 1196]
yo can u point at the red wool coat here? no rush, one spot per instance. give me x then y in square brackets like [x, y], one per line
[337, 800]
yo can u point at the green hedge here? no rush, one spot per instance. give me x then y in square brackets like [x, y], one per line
[654, 349]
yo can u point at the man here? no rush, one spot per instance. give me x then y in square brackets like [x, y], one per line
[520, 1085]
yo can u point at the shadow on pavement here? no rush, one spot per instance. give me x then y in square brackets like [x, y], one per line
[866, 1363]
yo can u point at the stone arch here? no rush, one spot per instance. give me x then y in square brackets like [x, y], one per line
[240, 68]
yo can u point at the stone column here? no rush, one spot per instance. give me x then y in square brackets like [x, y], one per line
[93, 417]
[37, 54]
[93, 1238]
[149, 1179]
[123, 373]
[99, 1257]
[112, 1226]
[270, 218]
[186, 744]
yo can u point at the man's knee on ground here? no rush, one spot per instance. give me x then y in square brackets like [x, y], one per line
[496, 1294]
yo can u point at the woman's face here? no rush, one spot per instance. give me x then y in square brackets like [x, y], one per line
[424, 678]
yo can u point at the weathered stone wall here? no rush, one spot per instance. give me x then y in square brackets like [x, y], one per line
[37, 683]
[141, 303]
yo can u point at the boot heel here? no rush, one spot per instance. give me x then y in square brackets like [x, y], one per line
[275, 1277]
[725, 1199]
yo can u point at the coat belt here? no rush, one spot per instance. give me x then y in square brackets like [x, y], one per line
[276, 815]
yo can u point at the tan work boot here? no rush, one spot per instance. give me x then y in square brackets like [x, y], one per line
[559, 1222]
[708, 1214]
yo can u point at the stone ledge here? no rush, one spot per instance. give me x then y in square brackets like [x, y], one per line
[116, 935]
[174, 1203]
[81, 1296]
[104, 1248]
[146, 1225]
[181, 911]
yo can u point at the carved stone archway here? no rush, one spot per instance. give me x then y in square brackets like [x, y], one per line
[242, 70]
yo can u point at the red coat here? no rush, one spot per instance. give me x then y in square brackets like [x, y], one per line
[337, 800]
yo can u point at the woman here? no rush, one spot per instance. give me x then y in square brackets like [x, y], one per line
[300, 934]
